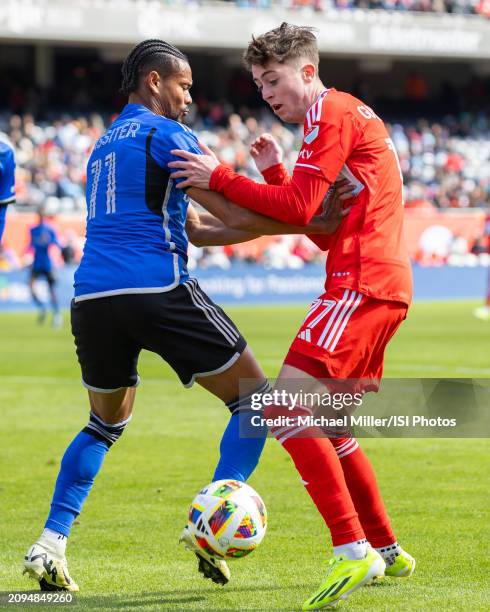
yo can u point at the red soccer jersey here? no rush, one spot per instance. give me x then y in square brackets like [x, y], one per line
[345, 137]
[342, 138]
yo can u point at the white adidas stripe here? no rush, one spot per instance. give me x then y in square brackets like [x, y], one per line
[202, 298]
[308, 118]
[210, 314]
[333, 316]
[339, 449]
[344, 322]
[199, 292]
[319, 105]
[291, 433]
[349, 450]
[214, 317]
[338, 322]
[315, 111]
[102, 432]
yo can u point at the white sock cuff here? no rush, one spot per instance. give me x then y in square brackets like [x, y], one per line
[352, 550]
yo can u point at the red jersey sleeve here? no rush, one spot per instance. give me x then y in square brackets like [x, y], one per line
[328, 140]
[295, 203]
[276, 175]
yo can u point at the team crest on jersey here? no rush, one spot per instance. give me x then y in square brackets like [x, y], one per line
[311, 134]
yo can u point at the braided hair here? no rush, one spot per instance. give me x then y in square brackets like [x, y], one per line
[152, 54]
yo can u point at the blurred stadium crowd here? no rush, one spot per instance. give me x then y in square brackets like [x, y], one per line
[459, 7]
[444, 163]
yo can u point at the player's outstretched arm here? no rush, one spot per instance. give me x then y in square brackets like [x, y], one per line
[243, 224]
[204, 229]
[294, 204]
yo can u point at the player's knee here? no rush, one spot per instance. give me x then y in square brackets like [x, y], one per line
[106, 432]
[251, 401]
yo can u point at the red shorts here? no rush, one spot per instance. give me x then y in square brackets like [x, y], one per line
[344, 336]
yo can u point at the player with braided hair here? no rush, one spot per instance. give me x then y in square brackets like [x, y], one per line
[133, 292]
[147, 55]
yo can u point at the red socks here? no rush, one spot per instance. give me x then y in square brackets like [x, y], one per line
[361, 482]
[316, 460]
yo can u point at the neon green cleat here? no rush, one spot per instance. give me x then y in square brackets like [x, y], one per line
[344, 577]
[482, 312]
[402, 567]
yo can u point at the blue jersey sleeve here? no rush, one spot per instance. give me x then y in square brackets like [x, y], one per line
[177, 137]
[7, 175]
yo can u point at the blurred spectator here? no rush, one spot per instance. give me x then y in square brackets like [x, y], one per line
[51, 159]
[416, 87]
[444, 164]
[280, 254]
[214, 257]
[425, 6]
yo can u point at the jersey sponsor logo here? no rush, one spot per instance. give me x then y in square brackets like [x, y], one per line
[311, 134]
[305, 154]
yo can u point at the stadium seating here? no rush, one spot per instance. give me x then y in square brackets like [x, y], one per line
[443, 162]
[444, 165]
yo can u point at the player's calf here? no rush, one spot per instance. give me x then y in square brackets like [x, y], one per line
[45, 560]
[240, 450]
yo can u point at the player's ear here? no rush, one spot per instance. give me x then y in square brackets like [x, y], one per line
[308, 72]
[153, 81]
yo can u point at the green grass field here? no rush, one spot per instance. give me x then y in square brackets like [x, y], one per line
[123, 550]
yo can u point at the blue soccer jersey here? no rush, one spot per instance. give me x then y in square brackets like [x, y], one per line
[7, 181]
[136, 240]
[42, 237]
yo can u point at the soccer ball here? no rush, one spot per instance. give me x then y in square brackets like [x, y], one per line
[228, 519]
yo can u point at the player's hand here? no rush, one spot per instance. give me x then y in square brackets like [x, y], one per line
[334, 208]
[195, 169]
[265, 152]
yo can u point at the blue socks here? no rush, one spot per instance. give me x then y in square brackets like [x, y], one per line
[240, 449]
[80, 465]
[239, 455]
[242, 442]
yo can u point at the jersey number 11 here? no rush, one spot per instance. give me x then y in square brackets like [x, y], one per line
[95, 171]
